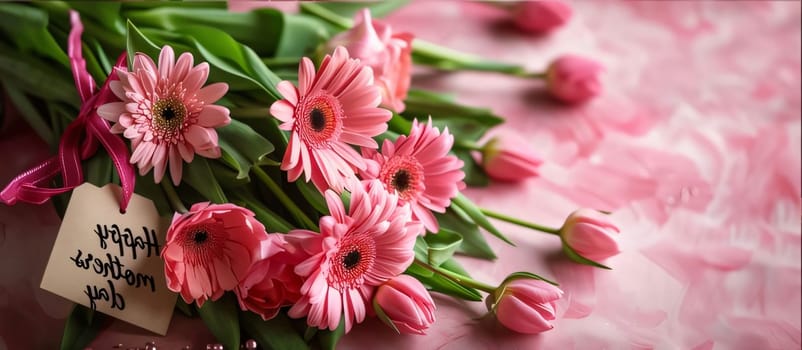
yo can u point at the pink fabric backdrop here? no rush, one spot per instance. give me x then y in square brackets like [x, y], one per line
[695, 146]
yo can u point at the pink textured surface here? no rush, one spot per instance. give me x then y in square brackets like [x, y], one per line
[695, 146]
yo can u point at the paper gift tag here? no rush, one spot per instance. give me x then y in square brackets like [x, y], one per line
[110, 261]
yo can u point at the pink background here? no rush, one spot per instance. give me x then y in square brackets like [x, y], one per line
[695, 146]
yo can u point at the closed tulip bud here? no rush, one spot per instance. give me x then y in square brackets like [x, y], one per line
[525, 305]
[404, 304]
[590, 234]
[509, 158]
[574, 79]
[539, 17]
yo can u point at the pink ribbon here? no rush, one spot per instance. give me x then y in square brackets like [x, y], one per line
[80, 140]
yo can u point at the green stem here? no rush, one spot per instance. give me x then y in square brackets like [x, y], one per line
[172, 196]
[459, 279]
[519, 222]
[431, 54]
[326, 15]
[296, 212]
[274, 62]
[250, 112]
[467, 144]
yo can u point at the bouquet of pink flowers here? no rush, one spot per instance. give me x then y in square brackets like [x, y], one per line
[322, 187]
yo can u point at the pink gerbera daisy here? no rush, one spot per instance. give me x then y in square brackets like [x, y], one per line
[418, 168]
[354, 253]
[166, 112]
[329, 111]
[210, 249]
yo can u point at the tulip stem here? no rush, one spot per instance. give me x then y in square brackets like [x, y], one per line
[326, 15]
[296, 212]
[273, 62]
[459, 279]
[172, 196]
[431, 54]
[468, 145]
[519, 222]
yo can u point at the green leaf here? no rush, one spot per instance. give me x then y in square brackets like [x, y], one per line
[81, 328]
[226, 54]
[300, 36]
[473, 242]
[573, 255]
[98, 169]
[380, 314]
[27, 27]
[199, 175]
[399, 125]
[259, 29]
[186, 309]
[28, 112]
[134, 5]
[221, 318]
[276, 333]
[93, 64]
[454, 266]
[312, 196]
[525, 274]
[138, 42]
[441, 246]
[475, 175]
[105, 13]
[244, 146]
[377, 8]
[478, 217]
[328, 339]
[441, 284]
[36, 77]
[224, 170]
[150, 190]
[464, 122]
[272, 221]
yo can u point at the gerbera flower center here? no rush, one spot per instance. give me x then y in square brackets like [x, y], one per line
[200, 236]
[351, 259]
[403, 175]
[319, 119]
[169, 115]
[354, 258]
[202, 243]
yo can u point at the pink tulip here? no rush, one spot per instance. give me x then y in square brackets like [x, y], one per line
[508, 158]
[539, 17]
[591, 234]
[405, 305]
[388, 54]
[574, 79]
[525, 305]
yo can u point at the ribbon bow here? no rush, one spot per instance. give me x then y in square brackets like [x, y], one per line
[80, 140]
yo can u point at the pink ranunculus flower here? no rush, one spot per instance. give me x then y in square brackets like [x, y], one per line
[405, 305]
[419, 169]
[541, 16]
[272, 282]
[574, 79]
[389, 54]
[327, 113]
[355, 252]
[525, 305]
[590, 234]
[508, 158]
[210, 249]
[166, 112]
